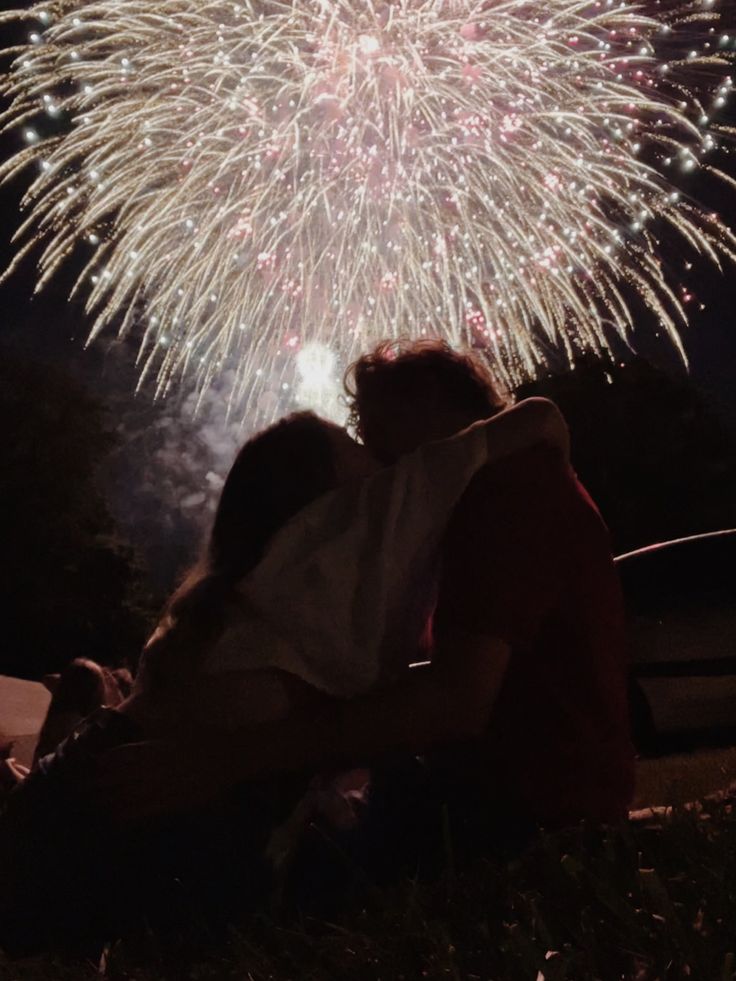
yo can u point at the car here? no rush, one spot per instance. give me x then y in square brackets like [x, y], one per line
[681, 602]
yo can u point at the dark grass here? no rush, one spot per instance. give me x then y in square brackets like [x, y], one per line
[645, 902]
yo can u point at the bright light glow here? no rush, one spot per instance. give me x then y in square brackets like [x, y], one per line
[340, 171]
[368, 45]
[319, 386]
[316, 363]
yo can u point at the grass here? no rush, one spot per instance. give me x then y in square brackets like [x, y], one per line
[652, 900]
[684, 776]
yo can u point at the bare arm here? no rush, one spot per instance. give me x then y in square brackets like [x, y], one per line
[448, 700]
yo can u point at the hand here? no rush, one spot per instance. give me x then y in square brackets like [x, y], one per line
[156, 778]
[11, 774]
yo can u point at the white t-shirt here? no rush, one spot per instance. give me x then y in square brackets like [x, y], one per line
[346, 588]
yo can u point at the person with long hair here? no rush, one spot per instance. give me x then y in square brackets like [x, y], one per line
[276, 474]
[317, 581]
[528, 663]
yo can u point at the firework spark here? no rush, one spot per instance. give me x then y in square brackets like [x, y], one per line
[251, 177]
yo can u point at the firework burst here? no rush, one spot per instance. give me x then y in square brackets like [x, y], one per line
[249, 178]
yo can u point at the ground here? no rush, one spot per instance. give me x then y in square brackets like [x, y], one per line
[674, 780]
[653, 901]
[643, 903]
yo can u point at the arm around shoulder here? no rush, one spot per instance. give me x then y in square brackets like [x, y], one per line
[533, 422]
[449, 700]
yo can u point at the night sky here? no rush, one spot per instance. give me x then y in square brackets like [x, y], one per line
[49, 329]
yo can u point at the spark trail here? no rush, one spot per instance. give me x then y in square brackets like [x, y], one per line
[244, 179]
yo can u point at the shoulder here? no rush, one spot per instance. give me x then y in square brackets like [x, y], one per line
[528, 501]
[534, 473]
[538, 408]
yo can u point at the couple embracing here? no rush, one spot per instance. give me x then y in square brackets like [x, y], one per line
[442, 590]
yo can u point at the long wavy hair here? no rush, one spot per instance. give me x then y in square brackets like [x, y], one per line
[275, 475]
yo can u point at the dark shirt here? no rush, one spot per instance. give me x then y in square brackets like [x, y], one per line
[527, 559]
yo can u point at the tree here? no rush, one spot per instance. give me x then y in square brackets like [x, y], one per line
[72, 587]
[655, 454]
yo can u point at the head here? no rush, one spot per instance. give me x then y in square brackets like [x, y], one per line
[277, 473]
[80, 689]
[405, 393]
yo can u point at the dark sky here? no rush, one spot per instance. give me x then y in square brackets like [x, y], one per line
[48, 327]
[155, 482]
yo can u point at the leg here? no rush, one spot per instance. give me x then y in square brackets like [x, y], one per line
[55, 847]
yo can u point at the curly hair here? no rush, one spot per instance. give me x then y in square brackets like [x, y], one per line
[405, 368]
